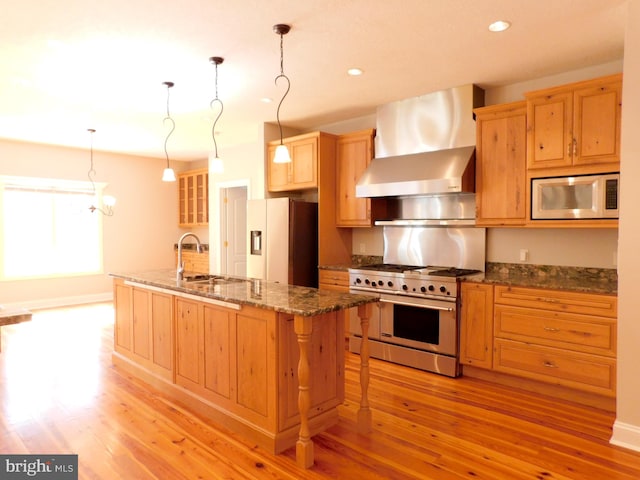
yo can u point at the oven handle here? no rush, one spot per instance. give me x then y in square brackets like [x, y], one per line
[409, 304]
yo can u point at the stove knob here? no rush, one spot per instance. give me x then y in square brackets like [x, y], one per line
[358, 280]
[405, 288]
[443, 288]
[380, 283]
[367, 281]
[423, 289]
[390, 284]
[431, 288]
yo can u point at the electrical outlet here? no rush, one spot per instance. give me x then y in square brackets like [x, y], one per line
[524, 254]
[362, 248]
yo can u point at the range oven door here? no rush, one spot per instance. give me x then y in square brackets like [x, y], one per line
[419, 323]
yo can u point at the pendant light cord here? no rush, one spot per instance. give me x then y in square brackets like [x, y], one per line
[91, 171]
[173, 124]
[216, 60]
[282, 75]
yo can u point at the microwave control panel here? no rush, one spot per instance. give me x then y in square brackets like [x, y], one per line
[611, 194]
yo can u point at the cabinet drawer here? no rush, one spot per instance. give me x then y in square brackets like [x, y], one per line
[334, 277]
[575, 332]
[582, 371]
[556, 300]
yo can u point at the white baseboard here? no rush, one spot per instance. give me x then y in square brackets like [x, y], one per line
[39, 304]
[626, 435]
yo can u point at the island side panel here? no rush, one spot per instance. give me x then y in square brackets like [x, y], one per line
[327, 371]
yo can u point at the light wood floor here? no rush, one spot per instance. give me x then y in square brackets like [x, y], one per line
[59, 393]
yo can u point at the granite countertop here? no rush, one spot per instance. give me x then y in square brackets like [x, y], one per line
[289, 299]
[577, 279]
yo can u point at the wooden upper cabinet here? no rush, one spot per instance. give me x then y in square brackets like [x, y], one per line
[501, 164]
[354, 154]
[193, 198]
[575, 125]
[302, 172]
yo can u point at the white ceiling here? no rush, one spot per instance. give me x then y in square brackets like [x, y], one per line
[70, 65]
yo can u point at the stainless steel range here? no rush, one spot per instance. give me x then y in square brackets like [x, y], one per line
[416, 323]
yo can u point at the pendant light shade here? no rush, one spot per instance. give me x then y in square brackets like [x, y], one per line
[215, 163]
[168, 175]
[282, 152]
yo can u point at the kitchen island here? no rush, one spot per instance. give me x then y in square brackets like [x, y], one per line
[261, 358]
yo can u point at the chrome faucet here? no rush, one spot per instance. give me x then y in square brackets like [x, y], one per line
[180, 269]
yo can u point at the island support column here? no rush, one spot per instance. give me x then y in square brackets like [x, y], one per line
[364, 413]
[303, 327]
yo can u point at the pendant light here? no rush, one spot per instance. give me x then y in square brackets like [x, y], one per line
[282, 152]
[168, 175]
[107, 200]
[215, 164]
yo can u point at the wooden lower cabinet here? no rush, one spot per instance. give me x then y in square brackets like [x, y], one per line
[561, 338]
[236, 364]
[144, 327]
[476, 324]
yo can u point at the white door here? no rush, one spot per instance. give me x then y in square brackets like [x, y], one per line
[233, 231]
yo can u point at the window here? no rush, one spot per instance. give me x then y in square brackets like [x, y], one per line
[47, 228]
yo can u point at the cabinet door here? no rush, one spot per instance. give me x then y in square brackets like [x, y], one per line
[278, 173]
[201, 198]
[597, 114]
[304, 164]
[354, 154]
[219, 364]
[188, 345]
[476, 324]
[193, 198]
[501, 165]
[549, 122]
[182, 200]
[124, 321]
[141, 323]
[162, 331]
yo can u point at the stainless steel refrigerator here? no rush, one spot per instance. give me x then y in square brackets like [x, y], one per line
[283, 241]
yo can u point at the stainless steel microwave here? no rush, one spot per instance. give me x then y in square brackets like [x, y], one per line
[577, 197]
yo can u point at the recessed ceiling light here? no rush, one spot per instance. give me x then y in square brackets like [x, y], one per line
[354, 72]
[499, 26]
[266, 100]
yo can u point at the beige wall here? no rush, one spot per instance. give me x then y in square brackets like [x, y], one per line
[626, 431]
[139, 236]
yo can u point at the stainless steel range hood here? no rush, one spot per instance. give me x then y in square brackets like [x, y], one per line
[442, 171]
[424, 145]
